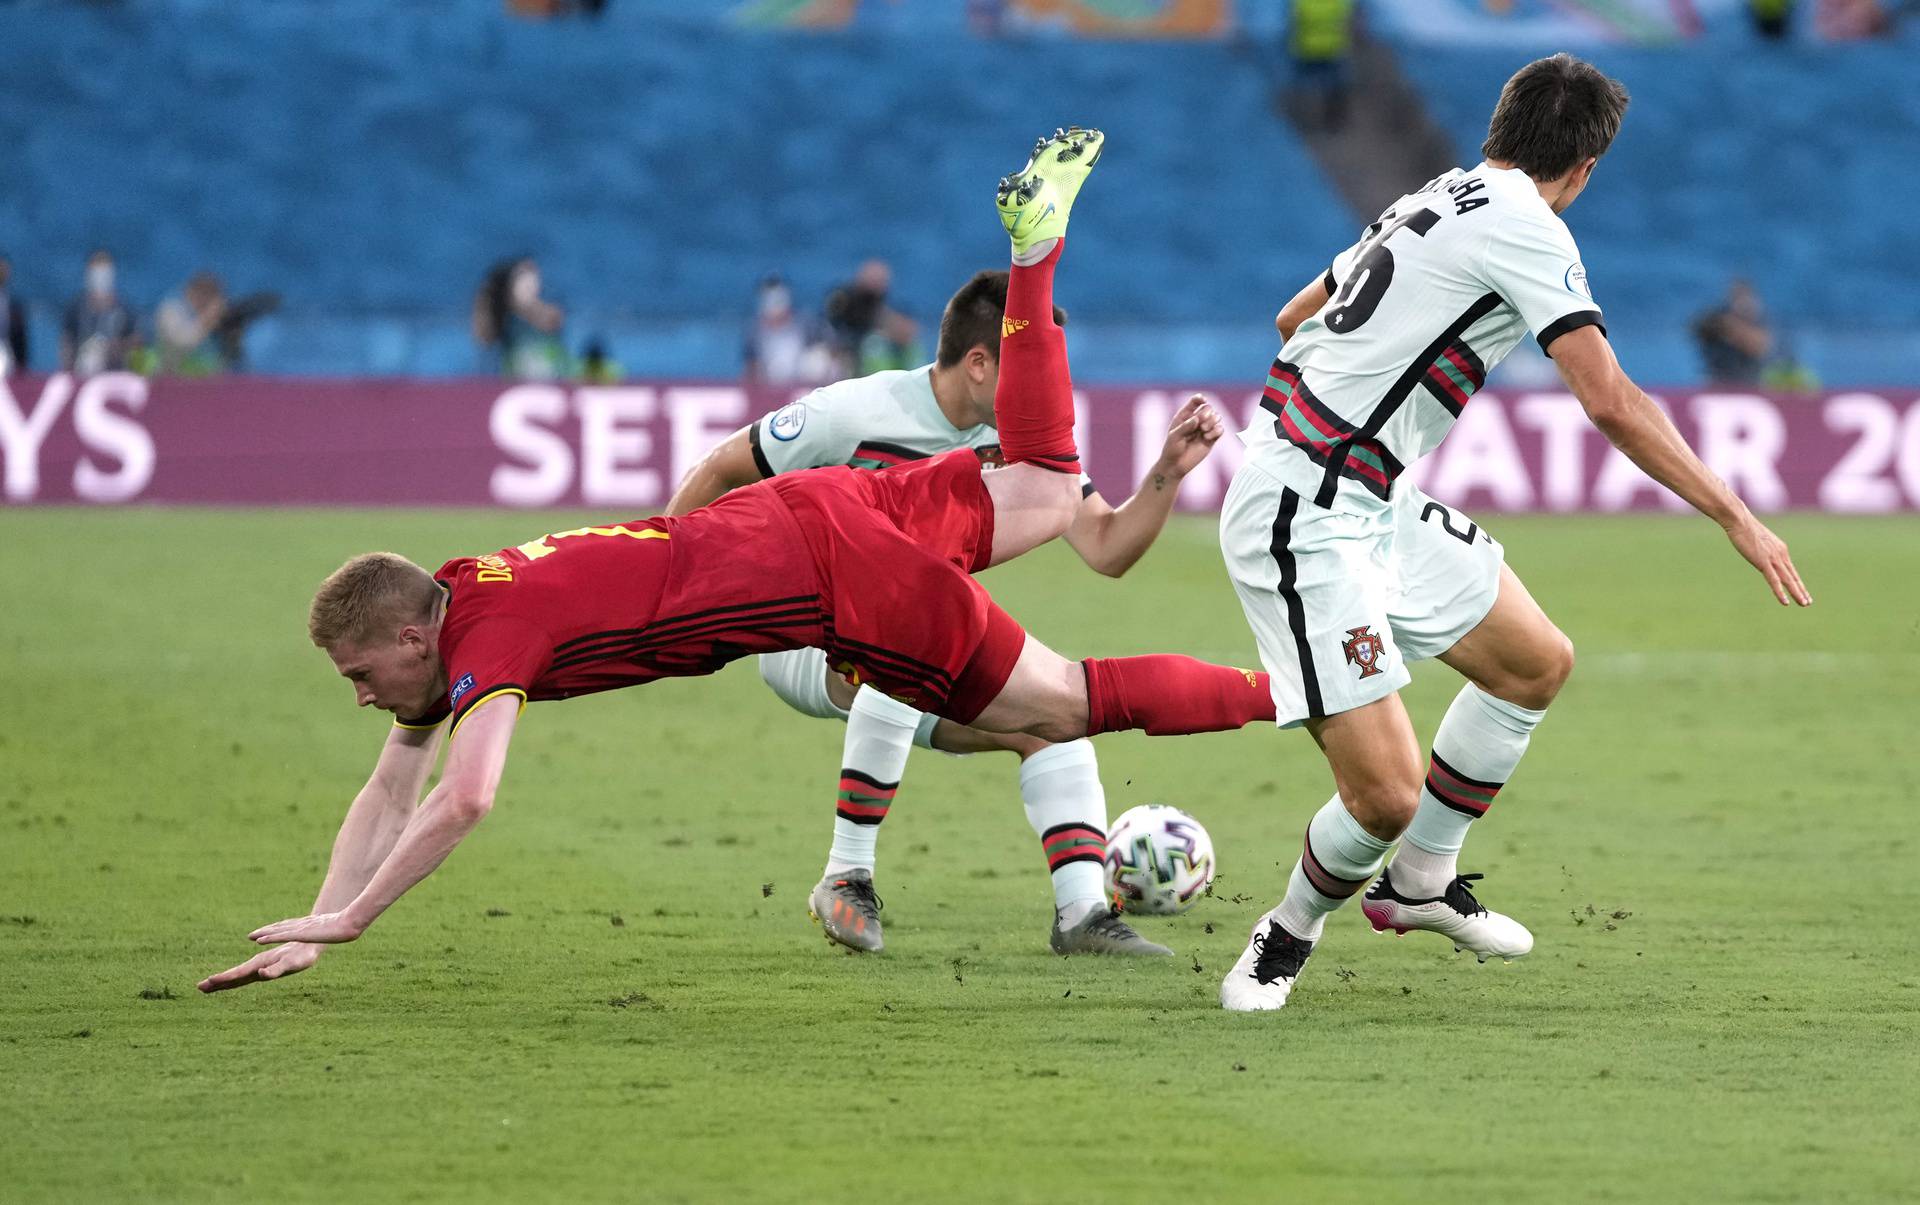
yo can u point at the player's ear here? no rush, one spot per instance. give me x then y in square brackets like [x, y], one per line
[981, 364]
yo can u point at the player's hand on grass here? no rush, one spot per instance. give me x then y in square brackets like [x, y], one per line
[328, 928]
[276, 963]
[1768, 553]
[1196, 427]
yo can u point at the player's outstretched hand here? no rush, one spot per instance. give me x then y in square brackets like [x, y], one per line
[1196, 427]
[276, 963]
[1768, 553]
[328, 928]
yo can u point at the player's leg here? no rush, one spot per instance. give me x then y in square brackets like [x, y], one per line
[1515, 661]
[1458, 601]
[1036, 495]
[880, 734]
[844, 901]
[1314, 585]
[1375, 759]
[1162, 694]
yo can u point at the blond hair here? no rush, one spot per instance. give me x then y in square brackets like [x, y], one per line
[369, 594]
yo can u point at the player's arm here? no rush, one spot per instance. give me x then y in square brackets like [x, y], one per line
[1632, 423]
[373, 824]
[1305, 304]
[731, 464]
[452, 809]
[1111, 539]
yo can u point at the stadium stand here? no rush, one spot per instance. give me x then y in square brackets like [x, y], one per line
[658, 171]
[368, 161]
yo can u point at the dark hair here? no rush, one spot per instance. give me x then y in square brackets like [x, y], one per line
[972, 318]
[1553, 115]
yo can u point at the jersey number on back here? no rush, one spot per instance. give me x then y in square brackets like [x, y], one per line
[1372, 272]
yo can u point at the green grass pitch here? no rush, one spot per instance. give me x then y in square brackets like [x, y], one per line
[613, 992]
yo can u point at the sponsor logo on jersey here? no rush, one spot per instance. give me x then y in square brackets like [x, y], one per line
[493, 568]
[1009, 327]
[461, 687]
[1364, 649]
[1577, 281]
[788, 421]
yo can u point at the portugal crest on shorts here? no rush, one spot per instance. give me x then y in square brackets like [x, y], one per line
[1364, 649]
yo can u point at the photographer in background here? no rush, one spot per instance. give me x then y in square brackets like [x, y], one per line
[198, 333]
[13, 323]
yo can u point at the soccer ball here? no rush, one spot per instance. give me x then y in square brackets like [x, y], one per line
[1159, 860]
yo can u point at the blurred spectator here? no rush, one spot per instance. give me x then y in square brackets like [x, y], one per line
[858, 309]
[782, 347]
[895, 344]
[1771, 18]
[98, 334]
[597, 367]
[200, 331]
[13, 323]
[183, 328]
[1844, 20]
[1734, 337]
[510, 316]
[1320, 43]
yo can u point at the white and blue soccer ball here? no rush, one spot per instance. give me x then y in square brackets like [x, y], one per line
[1159, 860]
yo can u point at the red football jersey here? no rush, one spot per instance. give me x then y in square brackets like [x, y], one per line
[597, 608]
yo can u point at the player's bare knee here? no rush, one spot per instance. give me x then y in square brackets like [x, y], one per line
[1383, 808]
[1545, 674]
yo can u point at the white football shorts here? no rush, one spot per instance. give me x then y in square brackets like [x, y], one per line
[1341, 601]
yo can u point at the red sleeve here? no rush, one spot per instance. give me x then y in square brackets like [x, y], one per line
[497, 655]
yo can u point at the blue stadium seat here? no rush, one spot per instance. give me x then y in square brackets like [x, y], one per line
[372, 159]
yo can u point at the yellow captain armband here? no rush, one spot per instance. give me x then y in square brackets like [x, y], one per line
[507, 689]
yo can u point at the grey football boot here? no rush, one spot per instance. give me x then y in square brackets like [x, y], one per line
[848, 910]
[1103, 932]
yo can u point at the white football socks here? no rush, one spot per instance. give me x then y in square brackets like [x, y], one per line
[1479, 744]
[1336, 862]
[1067, 808]
[880, 733]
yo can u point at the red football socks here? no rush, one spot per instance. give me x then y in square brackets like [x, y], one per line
[1170, 695]
[1034, 399]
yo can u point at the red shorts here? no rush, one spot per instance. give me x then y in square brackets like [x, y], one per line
[896, 550]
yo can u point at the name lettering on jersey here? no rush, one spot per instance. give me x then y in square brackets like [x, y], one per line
[533, 550]
[1463, 193]
[493, 568]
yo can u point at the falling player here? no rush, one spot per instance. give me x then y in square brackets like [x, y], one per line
[788, 563]
[1347, 574]
[893, 418]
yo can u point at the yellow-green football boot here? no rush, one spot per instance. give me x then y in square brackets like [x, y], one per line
[1034, 201]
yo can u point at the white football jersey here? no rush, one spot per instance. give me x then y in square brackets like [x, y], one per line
[868, 422]
[1434, 294]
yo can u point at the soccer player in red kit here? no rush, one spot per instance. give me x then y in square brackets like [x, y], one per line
[873, 567]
